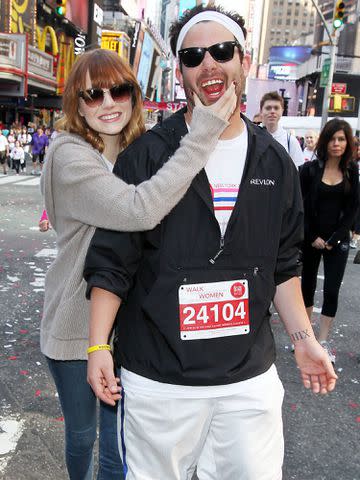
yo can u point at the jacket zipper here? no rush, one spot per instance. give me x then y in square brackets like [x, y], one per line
[216, 256]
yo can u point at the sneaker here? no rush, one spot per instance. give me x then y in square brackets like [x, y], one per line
[292, 348]
[327, 348]
[353, 244]
[33, 172]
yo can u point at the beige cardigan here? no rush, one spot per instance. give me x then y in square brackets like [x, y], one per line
[80, 195]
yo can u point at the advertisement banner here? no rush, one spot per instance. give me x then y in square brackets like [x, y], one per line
[22, 17]
[145, 63]
[41, 68]
[118, 42]
[284, 61]
[13, 64]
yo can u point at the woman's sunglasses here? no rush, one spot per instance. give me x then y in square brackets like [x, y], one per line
[221, 52]
[94, 97]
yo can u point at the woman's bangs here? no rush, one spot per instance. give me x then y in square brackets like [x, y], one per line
[105, 73]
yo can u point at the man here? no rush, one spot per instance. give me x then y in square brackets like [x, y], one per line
[4, 151]
[272, 109]
[39, 144]
[310, 144]
[193, 336]
[257, 119]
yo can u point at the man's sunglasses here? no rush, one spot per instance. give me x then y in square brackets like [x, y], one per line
[221, 52]
[94, 97]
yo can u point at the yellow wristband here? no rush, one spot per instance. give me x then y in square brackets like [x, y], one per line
[95, 348]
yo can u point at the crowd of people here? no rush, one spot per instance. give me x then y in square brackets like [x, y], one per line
[175, 339]
[24, 145]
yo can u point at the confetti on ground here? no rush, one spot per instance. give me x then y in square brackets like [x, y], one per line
[38, 393]
[353, 405]
[13, 357]
[24, 372]
[59, 419]
[293, 407]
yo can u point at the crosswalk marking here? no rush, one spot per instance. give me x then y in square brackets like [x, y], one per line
[47, 252]
[19, 180]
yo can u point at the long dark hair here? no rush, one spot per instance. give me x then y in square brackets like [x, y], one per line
[326, 135]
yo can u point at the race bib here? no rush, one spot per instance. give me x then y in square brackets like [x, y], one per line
[212, 310]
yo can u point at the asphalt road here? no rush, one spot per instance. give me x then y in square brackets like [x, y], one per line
[321, 433]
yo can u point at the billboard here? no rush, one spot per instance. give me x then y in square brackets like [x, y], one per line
[145, 63]
[284, 60]
[13, 64]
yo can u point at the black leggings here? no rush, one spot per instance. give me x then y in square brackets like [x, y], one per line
[334, 269]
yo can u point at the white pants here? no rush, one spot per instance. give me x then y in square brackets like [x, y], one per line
[238, 437]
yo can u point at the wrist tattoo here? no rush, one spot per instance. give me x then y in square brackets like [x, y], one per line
[300, 335]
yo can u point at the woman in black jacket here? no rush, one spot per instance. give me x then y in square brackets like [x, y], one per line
[330, 192]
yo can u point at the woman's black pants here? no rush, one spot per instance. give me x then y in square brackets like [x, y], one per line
[334, 269]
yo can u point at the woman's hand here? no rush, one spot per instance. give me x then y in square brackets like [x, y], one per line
[319, 243]
[224, 107]
[100, 375]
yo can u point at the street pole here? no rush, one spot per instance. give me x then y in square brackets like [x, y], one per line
[327, 89]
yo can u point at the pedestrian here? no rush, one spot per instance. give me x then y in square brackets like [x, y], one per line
[39, 144]
[25, 140]
[272, 109]
[329, 186]
[11, 140]
[257, 119]
[4, 151]
[355, 230]
[102, 108]
[17, 156]
[310, 145]
[193, 337]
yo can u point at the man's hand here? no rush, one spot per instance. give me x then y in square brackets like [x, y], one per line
[319, 243]
[100, 375]
[315, 366]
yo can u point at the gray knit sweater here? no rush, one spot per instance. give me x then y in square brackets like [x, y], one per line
[80, 195]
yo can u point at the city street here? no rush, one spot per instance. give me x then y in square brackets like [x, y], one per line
[321, 433]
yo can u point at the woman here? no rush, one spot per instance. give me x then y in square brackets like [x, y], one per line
[102, 108]
[330, 190]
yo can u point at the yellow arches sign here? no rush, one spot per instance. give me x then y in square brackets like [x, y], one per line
[62, 48]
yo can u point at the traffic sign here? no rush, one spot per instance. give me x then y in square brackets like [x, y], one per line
[325, 73]
[338, 88]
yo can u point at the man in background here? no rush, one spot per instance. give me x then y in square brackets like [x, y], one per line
[272, 109]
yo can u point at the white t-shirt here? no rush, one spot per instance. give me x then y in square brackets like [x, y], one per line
[108, 164]
[3, 143]
[291, 145]
[224, 171]
[308, 155]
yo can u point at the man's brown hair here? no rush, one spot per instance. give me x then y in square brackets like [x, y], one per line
[271, 96]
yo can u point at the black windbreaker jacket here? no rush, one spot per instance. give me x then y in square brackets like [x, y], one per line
[145, 270]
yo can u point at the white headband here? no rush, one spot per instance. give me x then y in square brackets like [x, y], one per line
[212, 16]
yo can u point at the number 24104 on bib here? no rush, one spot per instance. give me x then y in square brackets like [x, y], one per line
[213, 310]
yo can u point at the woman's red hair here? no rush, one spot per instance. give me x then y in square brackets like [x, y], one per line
[106, 69]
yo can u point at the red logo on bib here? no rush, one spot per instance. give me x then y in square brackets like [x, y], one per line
[237, 290]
